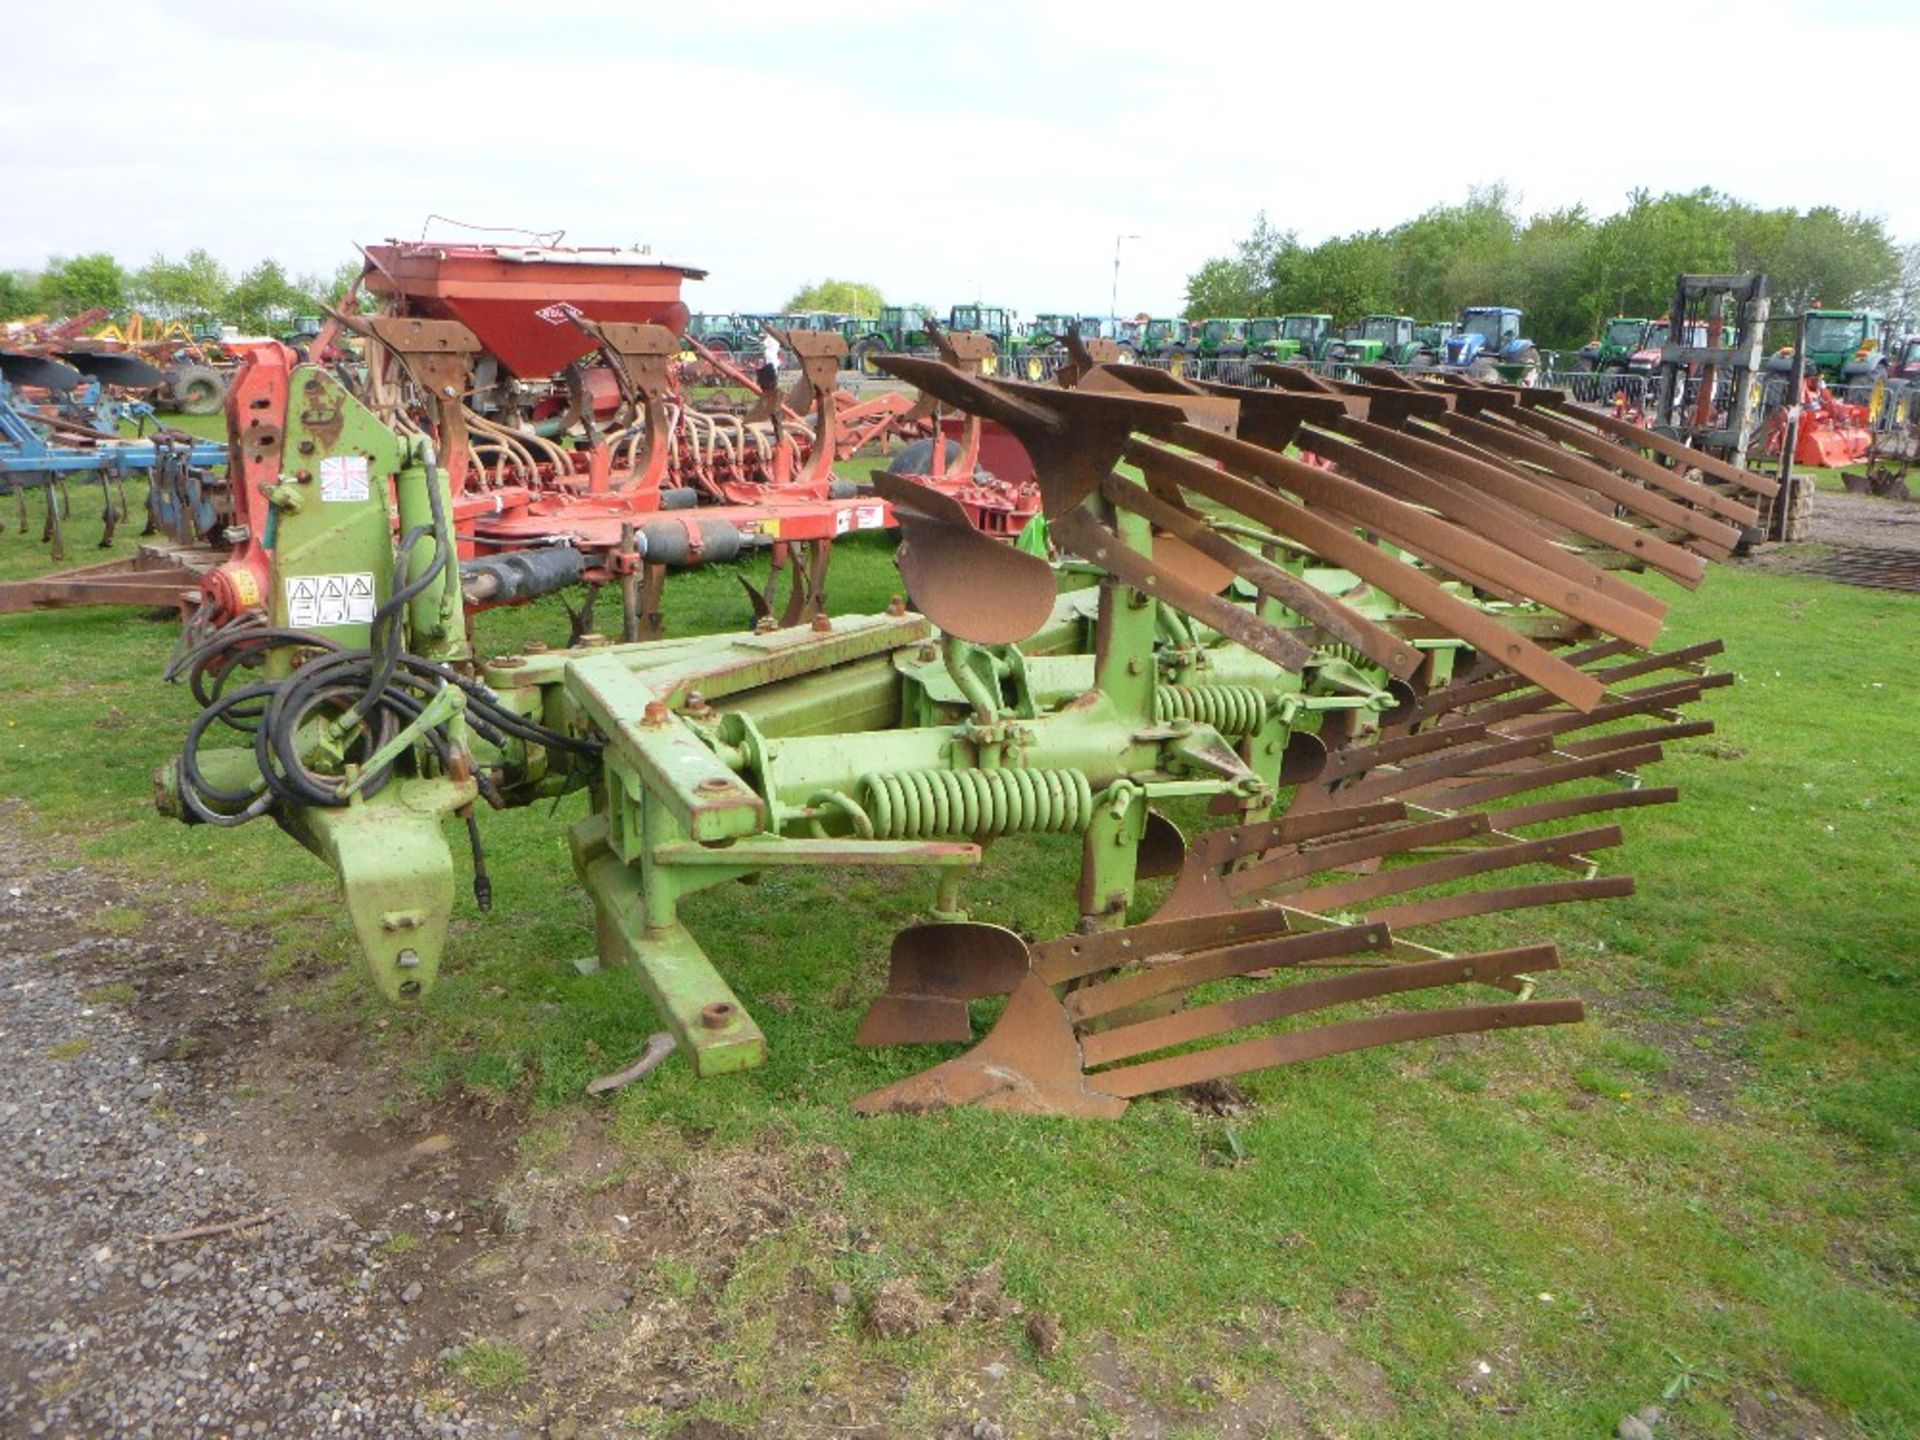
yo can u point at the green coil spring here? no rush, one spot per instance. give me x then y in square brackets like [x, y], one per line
[1233, 710]
[1340, 650]
[921, 804]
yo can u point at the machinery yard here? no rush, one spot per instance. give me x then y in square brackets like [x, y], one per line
[1708, 1174]
[758, 819]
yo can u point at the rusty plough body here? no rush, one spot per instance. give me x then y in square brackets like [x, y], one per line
[1395, 675]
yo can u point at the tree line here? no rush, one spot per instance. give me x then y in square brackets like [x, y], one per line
[1568, 269]
[196, 289]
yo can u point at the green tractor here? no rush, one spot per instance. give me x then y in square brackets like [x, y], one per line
[1290, 337]
[731, 334]
[1377, 340]
[1624, 337]
[1046, 338]
[1169, 340]
[899, 330]
[902, 330]
[1847, 347]
[1220, 338]
[1432, 339]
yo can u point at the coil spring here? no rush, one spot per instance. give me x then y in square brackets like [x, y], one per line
[918, 804]
[1340, 650]
[1233, 710]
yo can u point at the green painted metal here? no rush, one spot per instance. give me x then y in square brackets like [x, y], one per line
[867, 741]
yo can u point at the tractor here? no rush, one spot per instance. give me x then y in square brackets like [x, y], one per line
[1845, 346]
[1172, 341]
[730, 333]
[1432, 339]
[1489, 346]
[1220, 338]
[1379, 340]
[1615, 345]
[1905, 362]
[1292, 337]
[902, 330]
[1046, 339]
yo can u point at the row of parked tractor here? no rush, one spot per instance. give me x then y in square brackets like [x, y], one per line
[1846, 347]
[1485, 341]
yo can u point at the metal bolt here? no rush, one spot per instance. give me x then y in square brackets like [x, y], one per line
[407, 959]
[822, 624]
[508, 662]
[897, 605]
[718, 1015]
[536, 647]
[656, 713]
[592, 638]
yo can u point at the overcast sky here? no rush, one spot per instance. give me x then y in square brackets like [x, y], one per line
[943, 151]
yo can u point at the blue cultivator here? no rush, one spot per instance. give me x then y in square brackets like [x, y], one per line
[64, 419]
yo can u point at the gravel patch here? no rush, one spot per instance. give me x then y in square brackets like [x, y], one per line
[116, 1108]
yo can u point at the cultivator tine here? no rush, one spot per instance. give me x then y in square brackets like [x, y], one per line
[1340, 546]
[1045, 1056]
[1127, 992]
[1346, 895]
[1528, 501]
[1502, 901]
[933, 971]
[1337, 618]
[1504, 437]
[1203, 1022]
[1573, 432]
[1290, 1048]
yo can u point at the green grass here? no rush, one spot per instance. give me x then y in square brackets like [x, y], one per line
[490, 1366]
[1720, 1165]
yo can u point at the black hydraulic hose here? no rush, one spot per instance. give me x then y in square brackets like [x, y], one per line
[376, 691]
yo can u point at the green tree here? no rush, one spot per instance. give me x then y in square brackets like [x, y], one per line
[19, 294]
[1222, 287]
[1826, 258]
[265, 298]
[85, 282]
[1350, 276]
[193, 288]
[345, 276]
[838, 297]
[1544, 275]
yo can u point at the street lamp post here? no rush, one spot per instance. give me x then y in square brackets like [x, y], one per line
[1113, 300]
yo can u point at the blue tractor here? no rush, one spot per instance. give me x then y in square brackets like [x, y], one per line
[1489, 346]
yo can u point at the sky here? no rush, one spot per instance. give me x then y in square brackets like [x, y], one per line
[944, 151]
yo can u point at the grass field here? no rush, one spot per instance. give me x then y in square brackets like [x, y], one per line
[1707, 1193]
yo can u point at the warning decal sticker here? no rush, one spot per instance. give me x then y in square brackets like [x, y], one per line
[329, 600]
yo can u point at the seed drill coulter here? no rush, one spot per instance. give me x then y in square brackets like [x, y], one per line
[1394, 681]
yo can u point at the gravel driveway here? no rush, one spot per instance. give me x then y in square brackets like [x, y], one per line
[122, 1034]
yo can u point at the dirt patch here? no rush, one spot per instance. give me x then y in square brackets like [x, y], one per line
[1700, 1066]
[1865, 521]
[1775, 1415]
